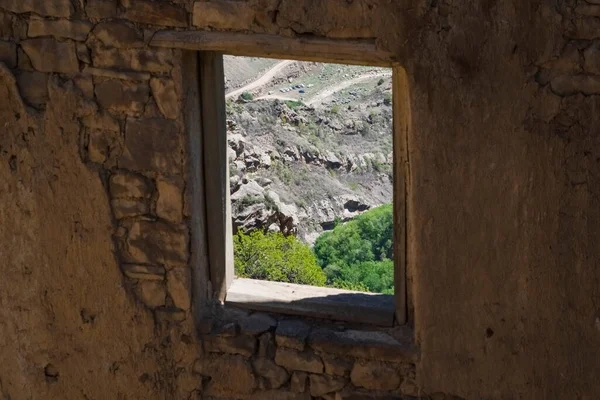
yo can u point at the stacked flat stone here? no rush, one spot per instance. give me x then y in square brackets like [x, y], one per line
[260, 356]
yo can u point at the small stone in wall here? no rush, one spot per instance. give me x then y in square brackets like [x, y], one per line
[111, 73]
[118, 34]
[85, 84]
[8, 53]
[156, 242]
[152, 110]
[169, 204]
[144, 272]
[83, 53]
[51, 372]
[155, 13]
[127, 208]
[591, 56]
[126, 184]
[266, 345]
[242, 345]
[169, 314]
[49, 55]
[224, 329]
[151, 293]
[337, 366]
[50, 8]
[362, 344]
[123, 96]
[150, 60]
[166, 98]
[257, 323]
[101, 9]
[275, 375]
[179, 287]
[23, 60]
[61, 28]
[566, 85]
[323, 384]
[583, 28]
[591, 10]
[298, 382]
[292, 333]
[294, 360]
[101, 121]
[374, 375]
[103, 147]
[6, 24]
[152, 145]
[223, 14]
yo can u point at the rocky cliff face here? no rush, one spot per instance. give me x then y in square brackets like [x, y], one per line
[298, 169]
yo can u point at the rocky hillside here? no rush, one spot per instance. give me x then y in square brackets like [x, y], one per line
[300, 168]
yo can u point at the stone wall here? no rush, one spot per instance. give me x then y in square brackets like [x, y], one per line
[257, 356]
[503, 207]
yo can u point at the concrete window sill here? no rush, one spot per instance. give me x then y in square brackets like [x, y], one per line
[312, 301]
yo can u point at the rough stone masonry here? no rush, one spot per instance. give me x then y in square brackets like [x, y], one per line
[502, 200]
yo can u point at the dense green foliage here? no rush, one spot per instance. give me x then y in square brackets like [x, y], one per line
[275, 257]
[358, 254]
[247, 96]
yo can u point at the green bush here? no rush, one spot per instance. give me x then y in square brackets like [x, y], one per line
[249, 200]
[293, 104]
[275, 257]
[358, 254]
[247, 96]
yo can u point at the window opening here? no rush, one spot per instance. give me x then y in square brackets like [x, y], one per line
[310, 154]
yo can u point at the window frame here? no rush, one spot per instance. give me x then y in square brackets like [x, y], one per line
[204, 107]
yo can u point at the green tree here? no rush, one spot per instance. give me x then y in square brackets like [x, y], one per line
[275, 257]
[358, 254]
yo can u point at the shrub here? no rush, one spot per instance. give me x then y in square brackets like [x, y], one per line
[247, 96]
[335, 109]
[275, 257]
[249, 200]
[293, 104]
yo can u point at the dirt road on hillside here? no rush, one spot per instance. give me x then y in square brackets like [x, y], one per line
[343, 85]
[263, 80]
[318, 98]
[324, 94]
